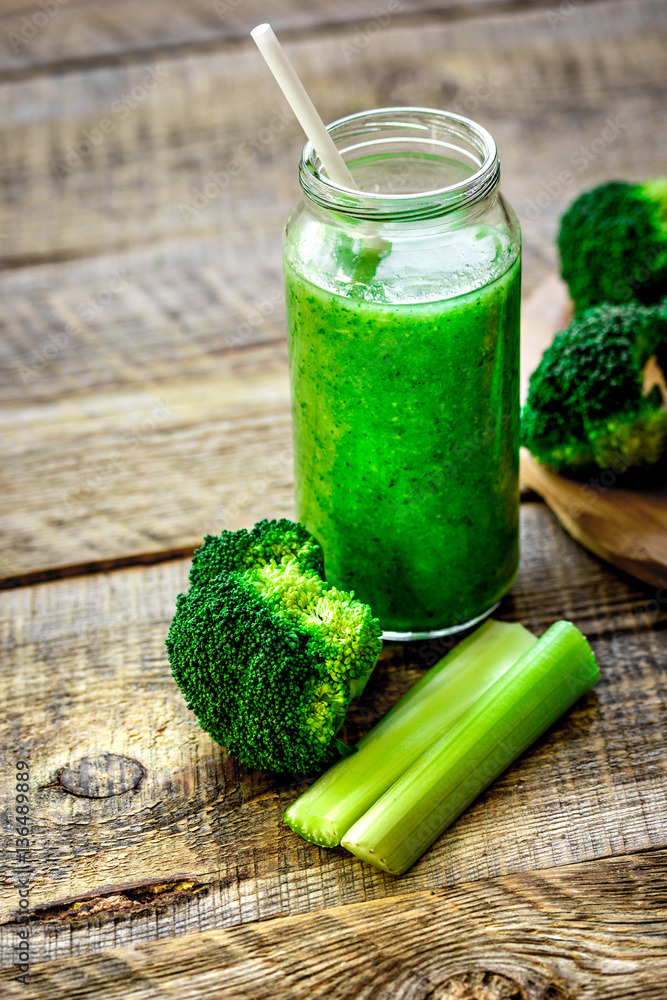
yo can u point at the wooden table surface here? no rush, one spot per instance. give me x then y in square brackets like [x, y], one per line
[144, 402]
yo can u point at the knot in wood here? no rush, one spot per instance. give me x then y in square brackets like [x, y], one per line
[486, 985]
[101, 776]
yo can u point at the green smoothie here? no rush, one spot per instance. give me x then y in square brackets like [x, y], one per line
[406, 425]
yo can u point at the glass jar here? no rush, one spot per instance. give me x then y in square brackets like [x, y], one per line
[403, 330]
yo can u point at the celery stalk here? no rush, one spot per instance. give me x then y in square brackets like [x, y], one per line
[519, 707]
[326, 811]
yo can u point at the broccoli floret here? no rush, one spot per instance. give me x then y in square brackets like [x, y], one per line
[266, 654]
[586, 407]
[267, 542]
[613, 244]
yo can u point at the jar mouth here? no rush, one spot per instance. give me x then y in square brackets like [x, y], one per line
[445, 146]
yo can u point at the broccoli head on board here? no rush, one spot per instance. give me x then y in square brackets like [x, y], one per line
[266, 654]
[586, 407]
[613, 244]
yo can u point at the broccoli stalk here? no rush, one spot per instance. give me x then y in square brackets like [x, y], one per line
[613, 244]
[586, 407]
[266, 654]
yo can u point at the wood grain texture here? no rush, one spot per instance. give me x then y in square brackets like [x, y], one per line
[628, 528]
[143, 395]
[596, 76]
[123, 320]
[88, 677]
[112, 456]
[105, 469]
[594, 931]
[174, 307]
[79, 33]
[148, 470]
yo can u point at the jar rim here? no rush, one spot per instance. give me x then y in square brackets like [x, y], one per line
[360, 127]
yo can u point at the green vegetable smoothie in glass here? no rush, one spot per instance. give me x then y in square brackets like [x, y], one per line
[403, 324]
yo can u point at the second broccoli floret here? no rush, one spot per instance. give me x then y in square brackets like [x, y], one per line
[586, 407]
[613, 244]
[267, 656]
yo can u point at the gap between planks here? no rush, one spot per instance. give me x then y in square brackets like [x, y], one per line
[591, 930]
[418, 15]
[590, 787]
[135, 559]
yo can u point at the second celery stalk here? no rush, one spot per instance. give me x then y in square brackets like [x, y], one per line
[509, 716]
[327, 810]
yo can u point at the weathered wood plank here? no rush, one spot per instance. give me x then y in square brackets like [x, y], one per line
[62, 34]
[595, 931]
[141, 318]
[87, 680]
[128, 469]
[148, 470]
[112, 157]
[125, 477]
[123, 320]
[626, 527]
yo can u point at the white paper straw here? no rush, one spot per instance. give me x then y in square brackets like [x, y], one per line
[302, 106]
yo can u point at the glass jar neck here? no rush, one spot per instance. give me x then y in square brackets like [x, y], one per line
[410, 164]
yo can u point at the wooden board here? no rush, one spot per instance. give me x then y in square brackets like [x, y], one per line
[582, 932]
[626, 527]
[105, 342]
[143, 474]
[204, 836]
[79, 33]
[117, 321]
[545, 311]
[515, 74]
[156, 408]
